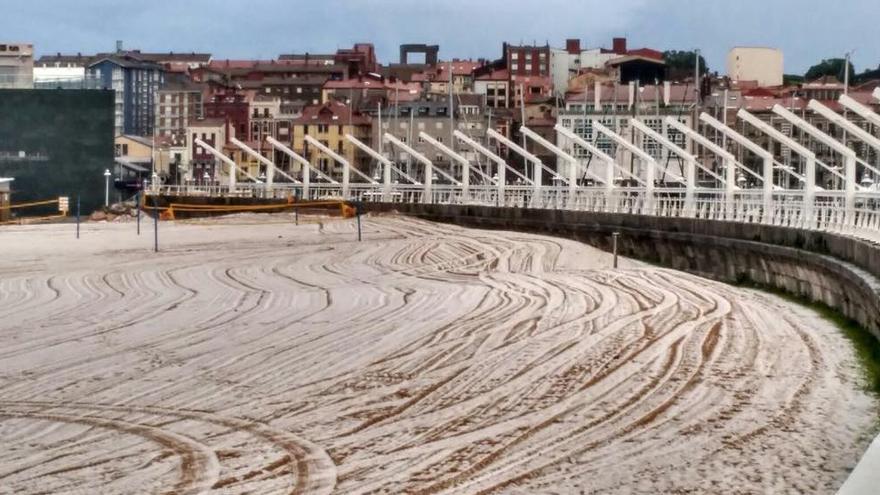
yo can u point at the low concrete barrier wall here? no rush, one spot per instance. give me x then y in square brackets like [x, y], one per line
[841, 272]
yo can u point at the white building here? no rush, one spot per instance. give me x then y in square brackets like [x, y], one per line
[16, 66]
[760, 64]
[568, 62]
[614, 106]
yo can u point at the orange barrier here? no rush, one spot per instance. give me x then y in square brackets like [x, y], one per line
[22, 220]
[26, 205]
[167, 212]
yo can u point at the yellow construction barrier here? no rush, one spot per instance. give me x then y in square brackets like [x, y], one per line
[167, 212]
[61, 201]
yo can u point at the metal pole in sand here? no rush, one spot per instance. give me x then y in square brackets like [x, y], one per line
[614, 237]
[137, 204]
[77, 216]
[357, 214]
[155, 225]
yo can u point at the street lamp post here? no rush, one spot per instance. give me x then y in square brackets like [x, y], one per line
[107, 187]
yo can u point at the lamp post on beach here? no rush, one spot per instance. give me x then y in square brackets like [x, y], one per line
[106, 187]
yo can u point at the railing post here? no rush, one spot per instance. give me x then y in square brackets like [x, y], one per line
[346, 179]
[729, 187]
[690, 178]
[429, 178]
[77, 216]
[649, 187]
[614, 237]
[809, 194]
[768, 190]
[850, 190]
[137, 201]
[307, 180]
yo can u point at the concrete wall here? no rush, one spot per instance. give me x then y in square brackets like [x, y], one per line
[843, 273]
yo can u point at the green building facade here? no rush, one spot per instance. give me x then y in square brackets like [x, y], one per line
[57, 142]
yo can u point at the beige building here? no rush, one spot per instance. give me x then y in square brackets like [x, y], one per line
[178, 104]
[16, 66]
[764, 65]
[5, 198]
[329, 123]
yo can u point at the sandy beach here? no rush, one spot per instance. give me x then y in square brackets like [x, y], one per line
[253, 355]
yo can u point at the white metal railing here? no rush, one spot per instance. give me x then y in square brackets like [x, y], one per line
[787, 208]
[848, 208]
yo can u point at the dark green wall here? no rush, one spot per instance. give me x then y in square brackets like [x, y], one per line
[71, 129]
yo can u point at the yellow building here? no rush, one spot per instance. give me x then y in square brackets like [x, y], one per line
[329, 123]
[246, 162]
[5, 198]
[135, 156]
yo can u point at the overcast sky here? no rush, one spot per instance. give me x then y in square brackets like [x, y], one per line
[806, 30]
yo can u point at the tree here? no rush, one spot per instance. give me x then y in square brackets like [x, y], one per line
[830, 67]
[683, 61]
[792, 79]
[868, 75]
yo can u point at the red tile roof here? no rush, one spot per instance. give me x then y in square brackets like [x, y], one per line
[495, 75]
[646, 53]
[333, 112]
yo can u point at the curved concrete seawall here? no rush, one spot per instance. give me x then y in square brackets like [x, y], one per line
[841, 272]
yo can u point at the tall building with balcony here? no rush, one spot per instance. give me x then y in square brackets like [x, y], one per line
[329, 123]
[615, 106]
[179, 103]
[136, 83]
[16, 66]
[62, 71]
[431, 115]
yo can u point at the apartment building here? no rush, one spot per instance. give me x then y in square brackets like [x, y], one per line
[614, 106]
[16, 66]
[329, 123]
[136, 83]
[179, 103]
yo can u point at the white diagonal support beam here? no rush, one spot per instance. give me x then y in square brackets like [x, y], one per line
[845, 151]
[502, 165]
[233, 168]
[388, 164]
[573, 163]
[690, 177]
[306, 166]
[537, 164]
[271, 168]
[648, 160]
[464, 162]
[729, 163]
[610, 163]
[726, 156]
[419, 157]
[841, 121]
[346, 166]
[766, 158]
[859, 109]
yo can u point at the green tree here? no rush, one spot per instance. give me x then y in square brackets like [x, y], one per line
[830, 67]
[868, 74]
[683, 60]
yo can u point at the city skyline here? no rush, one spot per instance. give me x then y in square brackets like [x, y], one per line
[806, 32]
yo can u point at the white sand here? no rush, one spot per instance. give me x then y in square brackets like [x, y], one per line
[267, 358]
